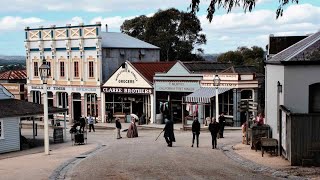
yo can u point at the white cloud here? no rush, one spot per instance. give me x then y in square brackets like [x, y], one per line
[89, 5]
[248, 29]
[16, 22]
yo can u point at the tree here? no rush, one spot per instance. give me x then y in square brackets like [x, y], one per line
[230, 4]
[177, 33]
[253, 56]
[135, 27]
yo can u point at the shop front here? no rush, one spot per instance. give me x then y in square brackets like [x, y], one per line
[170, 88]
[233, 89]
[79, 100]
[127, 92]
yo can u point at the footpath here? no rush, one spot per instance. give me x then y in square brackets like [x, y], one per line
[34, 164]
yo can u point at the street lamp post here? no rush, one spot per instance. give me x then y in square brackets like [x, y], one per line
[44, 71]
[216, 83]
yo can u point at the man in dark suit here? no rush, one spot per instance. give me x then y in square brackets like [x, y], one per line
[168, 132]
[222, 122]
[195, 131]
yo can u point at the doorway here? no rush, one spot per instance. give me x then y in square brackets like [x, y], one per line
[76, 110]
[76, 105]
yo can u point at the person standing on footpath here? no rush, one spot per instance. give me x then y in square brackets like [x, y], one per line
[222, 122]
[118, 126]
[91, 123]
[214, 129]
[168, 132]
[195, 131]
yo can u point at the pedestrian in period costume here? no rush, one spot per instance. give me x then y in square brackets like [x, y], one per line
[91, 123]
[168, 132]
[132, 130]
[82, 124]
[118, 126]
[195, 131]
[260, 119]
[222, 122]
[214, 129]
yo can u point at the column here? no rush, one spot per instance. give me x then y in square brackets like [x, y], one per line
[54, 99]
[100, 117]
[29, 97]
[103, 107]
[70, 109]
[236, 113]
[255, 99]
[153, 107]
[83, 105]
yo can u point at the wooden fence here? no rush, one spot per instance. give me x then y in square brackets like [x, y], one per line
[302, 138]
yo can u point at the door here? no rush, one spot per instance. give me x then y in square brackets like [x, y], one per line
[76, 110]
[314, 98]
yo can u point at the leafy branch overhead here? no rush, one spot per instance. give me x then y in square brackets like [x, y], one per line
[247, 5]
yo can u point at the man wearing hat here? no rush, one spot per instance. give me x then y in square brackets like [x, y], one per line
[195, 131]
[118, 126]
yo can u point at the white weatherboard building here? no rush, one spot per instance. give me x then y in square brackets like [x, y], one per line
[81, 58]
[293, 81]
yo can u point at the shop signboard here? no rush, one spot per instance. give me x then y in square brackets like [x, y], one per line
[127, 77]
[177, 86]
[70, 89]
[13, 88]
[121, 90]
[223, 77]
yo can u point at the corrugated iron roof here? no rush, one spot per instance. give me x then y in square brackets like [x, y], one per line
[17, 108]
[290, 52]
[13, 74]
[148, 69]
[121, 40]
[205, 66]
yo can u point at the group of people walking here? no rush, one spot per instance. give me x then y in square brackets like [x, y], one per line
[216, 129]
[81, 122]
[132, 131]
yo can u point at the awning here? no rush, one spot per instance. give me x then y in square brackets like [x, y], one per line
[204, 94]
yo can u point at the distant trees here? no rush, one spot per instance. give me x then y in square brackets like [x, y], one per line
[253, 56]
[177, 33]
[12, 67]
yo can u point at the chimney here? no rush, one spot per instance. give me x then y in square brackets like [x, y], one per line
[106, 27]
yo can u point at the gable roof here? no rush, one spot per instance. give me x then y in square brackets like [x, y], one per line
[13, 74]
[288, 53]
[19, 108]
[148, 69]
[121, 40]
[206, 66]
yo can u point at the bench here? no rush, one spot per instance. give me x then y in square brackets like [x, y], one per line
[269, 144]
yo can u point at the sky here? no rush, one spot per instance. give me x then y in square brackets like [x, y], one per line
[225, 32]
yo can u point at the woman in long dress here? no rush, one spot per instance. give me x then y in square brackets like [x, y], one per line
[132, 130]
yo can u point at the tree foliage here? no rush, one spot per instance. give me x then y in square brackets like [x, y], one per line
[247, 5]
[177, 33]
[253, 56]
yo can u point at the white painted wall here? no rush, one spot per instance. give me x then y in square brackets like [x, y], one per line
[274, 73]
[297, 81]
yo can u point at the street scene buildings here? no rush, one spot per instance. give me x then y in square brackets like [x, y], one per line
[135, 96]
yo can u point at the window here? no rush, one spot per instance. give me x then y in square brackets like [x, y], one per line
[92, 106]
[1, 129]
[76, 69]
[49, 72]
[62, 98]
[91, 69]
[36, 97]
[62, 69]
[36, 69]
